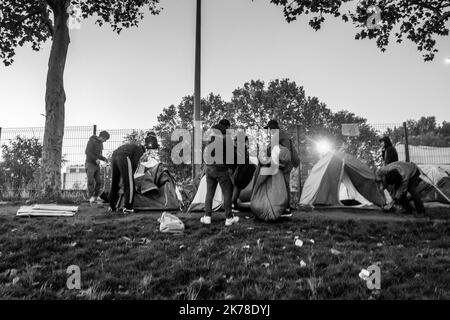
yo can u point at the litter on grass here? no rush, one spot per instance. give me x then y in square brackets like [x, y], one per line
[47, 210]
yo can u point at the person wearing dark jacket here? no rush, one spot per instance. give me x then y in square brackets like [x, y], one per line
[94, 150]
[388, 151]
[124, 163]
[403, 177]
[219, 172]
[242, 173]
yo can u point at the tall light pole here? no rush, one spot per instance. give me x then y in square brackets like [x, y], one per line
[197, 85]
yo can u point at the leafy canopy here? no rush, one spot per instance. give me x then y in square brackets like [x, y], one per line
[420, 21]
[32, 21]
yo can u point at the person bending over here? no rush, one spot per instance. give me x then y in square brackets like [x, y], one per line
[124, 163]
[400, 178]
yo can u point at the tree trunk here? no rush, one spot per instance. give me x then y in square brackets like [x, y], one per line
[55, 98]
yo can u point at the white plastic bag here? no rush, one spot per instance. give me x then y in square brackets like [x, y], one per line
[170, 223]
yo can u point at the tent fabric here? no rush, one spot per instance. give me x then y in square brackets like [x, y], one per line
[440, 177]
[269, 198]
[339, 175]
[198, 203]
[156, 190]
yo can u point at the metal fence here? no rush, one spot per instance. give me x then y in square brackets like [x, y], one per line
[75, 140]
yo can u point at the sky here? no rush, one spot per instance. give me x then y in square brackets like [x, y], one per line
[125, 81]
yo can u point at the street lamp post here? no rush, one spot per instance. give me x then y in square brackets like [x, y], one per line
[197, 88]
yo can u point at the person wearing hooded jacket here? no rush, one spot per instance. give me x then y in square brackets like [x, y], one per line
[94, 150]
[124, 163]
[400, 178]
[388, 151]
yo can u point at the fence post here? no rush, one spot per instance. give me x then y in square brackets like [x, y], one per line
[95, 129]
[406, 142]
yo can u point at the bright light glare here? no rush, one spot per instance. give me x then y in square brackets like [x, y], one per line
[323, 146]
[447, 61]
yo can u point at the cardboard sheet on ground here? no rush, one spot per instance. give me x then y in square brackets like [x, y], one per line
[47, 210]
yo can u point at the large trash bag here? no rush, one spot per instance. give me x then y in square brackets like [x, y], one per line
[269, 198]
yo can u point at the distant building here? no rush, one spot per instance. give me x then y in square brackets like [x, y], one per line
[74, 178]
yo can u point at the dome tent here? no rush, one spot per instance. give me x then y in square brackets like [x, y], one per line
[340, 178]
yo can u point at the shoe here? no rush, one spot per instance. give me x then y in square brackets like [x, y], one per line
[230, 221]
[127, 211]
[205, 220]
[286, 214]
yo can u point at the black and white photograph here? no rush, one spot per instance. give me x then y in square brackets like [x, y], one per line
[226, 155]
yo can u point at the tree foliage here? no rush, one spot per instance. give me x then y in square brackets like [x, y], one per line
[419, 21]
[33, 22]
[254, 104]
[21, 159]
[423, 132]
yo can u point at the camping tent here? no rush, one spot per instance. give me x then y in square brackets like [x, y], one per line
[440, 177]
[198, 203]
[156, 189]
[339, 179]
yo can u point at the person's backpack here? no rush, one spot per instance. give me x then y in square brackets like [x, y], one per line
[170, 223]
[295, 159]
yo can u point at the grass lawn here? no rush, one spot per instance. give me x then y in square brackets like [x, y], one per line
[128, 258]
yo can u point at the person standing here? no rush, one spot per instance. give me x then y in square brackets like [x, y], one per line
[124, 163]
[219, 173]
[402, 177]
[388, 151]
[94, 150]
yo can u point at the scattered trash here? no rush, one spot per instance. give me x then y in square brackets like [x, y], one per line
[15, 280]
[299, 243]
[284, 248]
[400, 246]
[379, 244]
[230, 297]
[126, 239]
[145, 241]
[311, 240]
[89, 230]
[302, 264]
[265, 264]
[13, 273]
[170, 223]
[246, 246]
[99, 240]
[335, 252]
[73, 244]
[296, 237]
[182, 246]
[14, 230]
[364, 274]
[417, 276]
[419, 255]
[247, 217]
[250, 228]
